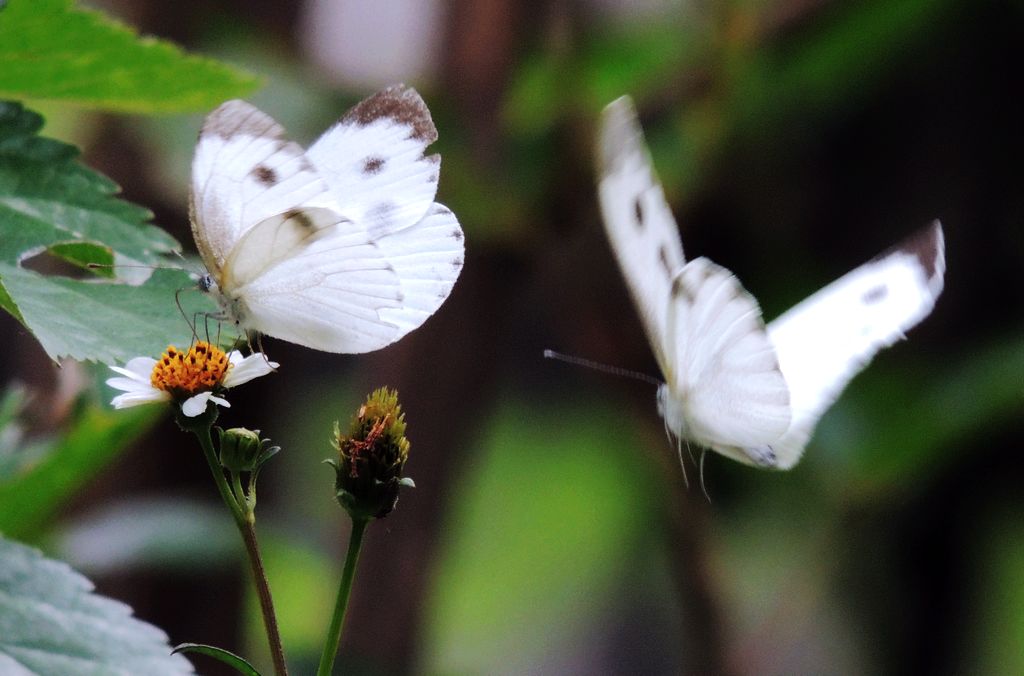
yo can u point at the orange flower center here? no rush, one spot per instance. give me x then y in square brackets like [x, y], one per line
[201, 369]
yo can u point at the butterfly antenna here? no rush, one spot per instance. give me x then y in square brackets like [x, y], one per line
[604, 368]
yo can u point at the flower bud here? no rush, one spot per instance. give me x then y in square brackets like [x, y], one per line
[371, 457]
[242, 450]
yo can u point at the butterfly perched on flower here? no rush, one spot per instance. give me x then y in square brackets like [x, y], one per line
[340, 247]
[752, 392]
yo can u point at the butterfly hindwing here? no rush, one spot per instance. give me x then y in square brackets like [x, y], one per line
[427, 259]
[728, 381]
[313, 279]
[825, 340]
[640, 226]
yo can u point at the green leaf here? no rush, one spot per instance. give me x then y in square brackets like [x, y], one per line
[225, 656]
[101, 321]
[47, 198]
[51, 203]
[52, 623]
[53, 50]
[32, 492]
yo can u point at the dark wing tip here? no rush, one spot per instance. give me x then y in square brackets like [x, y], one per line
[402, 104]
[236, 117]
[928, 245]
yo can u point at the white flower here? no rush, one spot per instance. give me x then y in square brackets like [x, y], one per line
[194, 378]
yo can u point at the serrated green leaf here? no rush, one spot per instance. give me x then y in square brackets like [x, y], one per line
[105, 322]
[52, 623]
[47, 198]
[225, 656]
[51, 203]
[56, 51]
[34, 492]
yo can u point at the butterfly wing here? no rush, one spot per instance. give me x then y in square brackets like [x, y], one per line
[373, 161]
[828, 338]
[312, 278]
[730, 391]
[643, 234]
[245, 171]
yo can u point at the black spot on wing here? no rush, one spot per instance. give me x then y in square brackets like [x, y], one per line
[457, 235]
[400, 104]
[264, 175]
[666, 263]
[457, 262]
[638, 212]
[680, 289]
[372, 164]
[875, 294]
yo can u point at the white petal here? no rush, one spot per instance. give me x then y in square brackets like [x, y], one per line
[194, 406]
[142, 366]
[197, 404]
[129, 385]
[249, 368]
[139, 397]
[138, 369]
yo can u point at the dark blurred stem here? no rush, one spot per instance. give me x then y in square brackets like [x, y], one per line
[355, 543]
[245, 520]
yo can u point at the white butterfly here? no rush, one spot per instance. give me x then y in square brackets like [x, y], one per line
[339, 248]
[750, 392]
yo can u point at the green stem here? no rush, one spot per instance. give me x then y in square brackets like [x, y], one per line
[244, 520]
[206, 441]
[355, 543]
[266, 600]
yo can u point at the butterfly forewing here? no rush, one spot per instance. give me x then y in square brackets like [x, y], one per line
[728, 379]
[373, 159]
[245, 171]
[639, 222]
[825, 340]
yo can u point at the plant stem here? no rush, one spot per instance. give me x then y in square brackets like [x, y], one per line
[266, 600]
[245, 522]
[355, 543]
[218, 475]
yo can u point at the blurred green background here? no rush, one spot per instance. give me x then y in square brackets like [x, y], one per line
[551, 530]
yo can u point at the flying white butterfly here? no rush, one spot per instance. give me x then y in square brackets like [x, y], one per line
[340, 247]
[750, 392]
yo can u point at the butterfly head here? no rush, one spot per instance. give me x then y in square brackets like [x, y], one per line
[206, 283]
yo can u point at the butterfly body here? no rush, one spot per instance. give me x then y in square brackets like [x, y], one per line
[751, 392]
[340, 248]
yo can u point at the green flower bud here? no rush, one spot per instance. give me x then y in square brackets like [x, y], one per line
[242, 450]
[371, 457]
